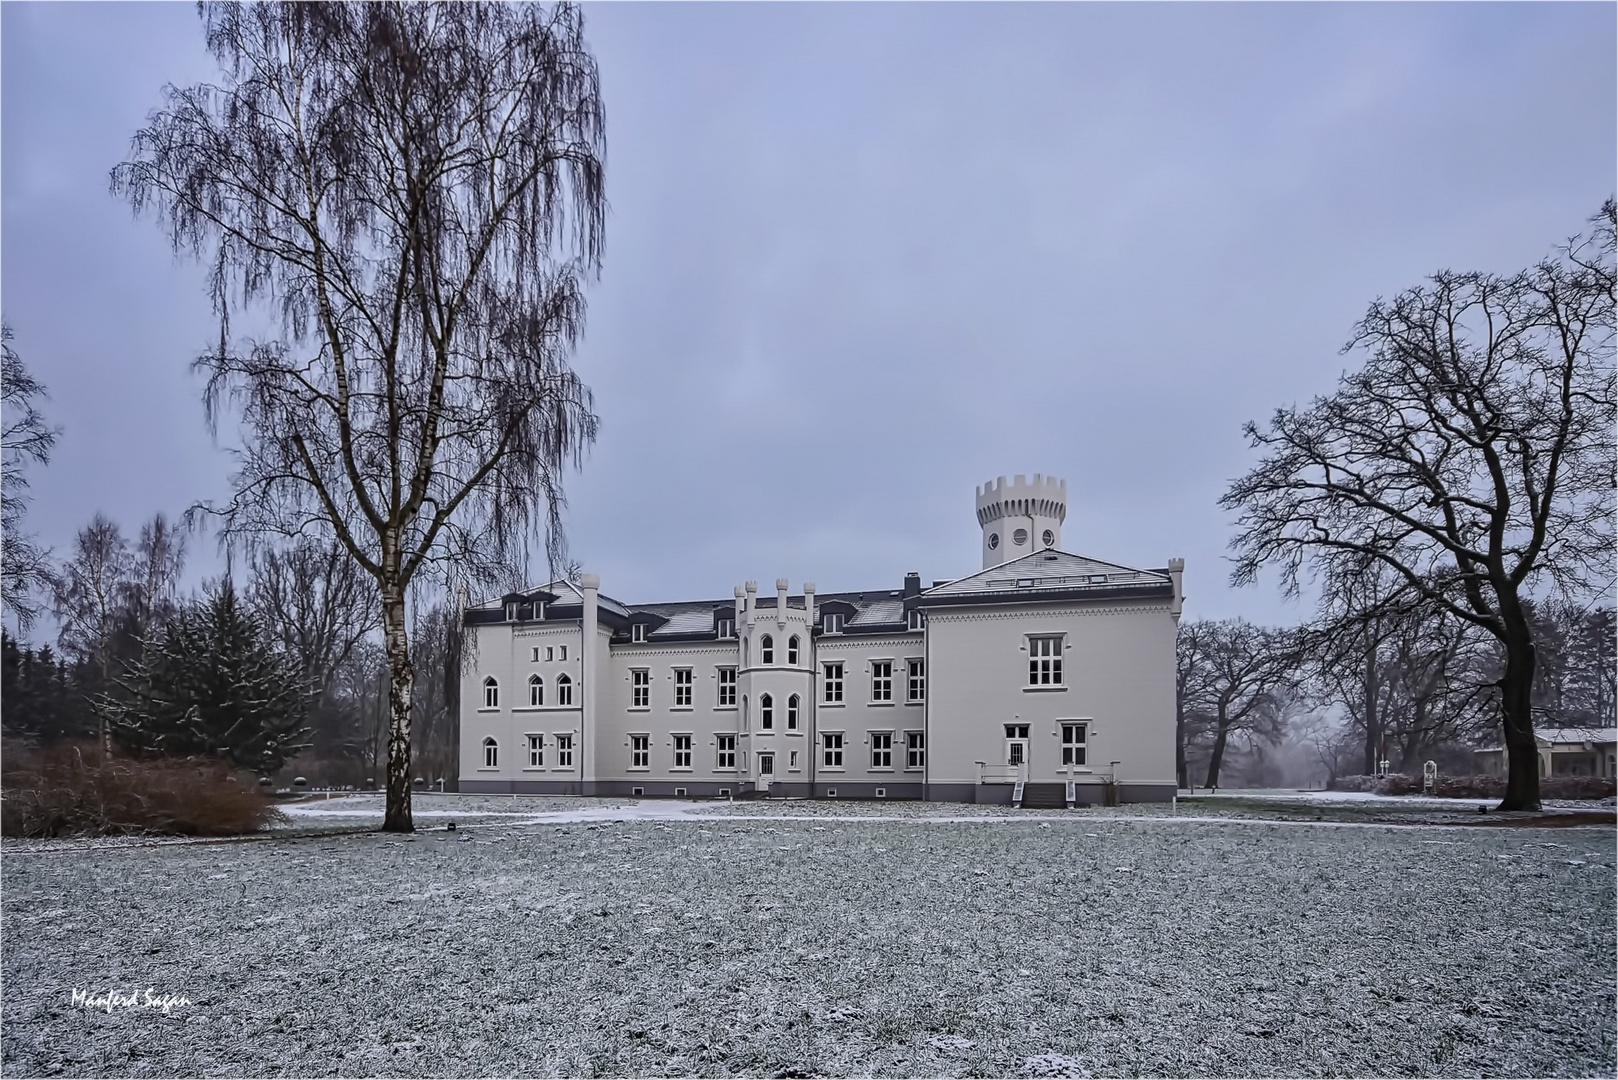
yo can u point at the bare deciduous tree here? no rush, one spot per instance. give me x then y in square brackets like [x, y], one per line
[24, 438]
[89, 592]
[1235, 675]
[417, 190]
[1471, 456]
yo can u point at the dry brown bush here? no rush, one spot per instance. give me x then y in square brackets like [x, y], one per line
[74, 789]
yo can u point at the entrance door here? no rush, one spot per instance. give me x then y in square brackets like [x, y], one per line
[1017, 747]
[766, 771]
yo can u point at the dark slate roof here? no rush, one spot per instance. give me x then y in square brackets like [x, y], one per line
[1041, 577]
[1050, 575]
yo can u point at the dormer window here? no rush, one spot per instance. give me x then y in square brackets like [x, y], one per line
[766, 647]
[539, 610]
[511, 613]
[832, 623]
[725, 628]
[637, 632]
[918, 618]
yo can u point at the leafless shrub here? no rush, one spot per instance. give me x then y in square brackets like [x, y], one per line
[75, 789]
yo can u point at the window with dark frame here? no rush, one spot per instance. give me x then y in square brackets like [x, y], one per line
[882, 680]
[1073, 744]
[833, 683]
[915, 680]
[1044, 661]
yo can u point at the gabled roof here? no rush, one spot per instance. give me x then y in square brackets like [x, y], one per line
[1050, 575]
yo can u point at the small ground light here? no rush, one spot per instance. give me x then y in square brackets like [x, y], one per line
[450, 827]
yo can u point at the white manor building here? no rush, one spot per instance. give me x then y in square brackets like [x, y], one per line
[1046, 676]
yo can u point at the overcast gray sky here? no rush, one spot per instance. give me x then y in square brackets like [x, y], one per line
[861, 258]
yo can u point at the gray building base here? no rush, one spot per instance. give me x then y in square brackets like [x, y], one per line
[1086, 794]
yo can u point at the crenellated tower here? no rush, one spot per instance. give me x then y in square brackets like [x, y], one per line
[1020, 516]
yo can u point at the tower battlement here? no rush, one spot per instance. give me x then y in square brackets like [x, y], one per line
[1020, 515]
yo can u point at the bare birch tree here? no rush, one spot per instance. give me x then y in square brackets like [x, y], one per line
[415, 191]
[1471, 456]
[25, 438]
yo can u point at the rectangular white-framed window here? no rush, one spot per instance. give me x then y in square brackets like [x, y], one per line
[831, 749]
[832, 680]
[1045, 661]
[561, 652]
[916, 619]
[564, 751]
[915, 749]
[792, 760]
[536, 654]
[536, 751]
[832, 623]
[881, 749]
[881, 680]
[726, 758]
[640, 688]
[727, 687]
[1074, 742]
[640, 751]
[550, 652]
[637, 632]
[682, 688]
[682, 751]
[915, 680]
[725, 628]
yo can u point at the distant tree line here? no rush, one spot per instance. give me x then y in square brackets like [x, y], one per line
[1267, 706]
[285, 673]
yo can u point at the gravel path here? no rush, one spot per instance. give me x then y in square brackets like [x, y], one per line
[805, 945]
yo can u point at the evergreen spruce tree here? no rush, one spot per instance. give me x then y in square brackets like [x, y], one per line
[213, 684]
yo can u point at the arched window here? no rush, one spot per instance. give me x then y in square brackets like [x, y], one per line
[766, 649]
[564, 690]
[491, 754]
[536, 690]
[766, 712]
[491, 693]
[792, 649]
[792, 713]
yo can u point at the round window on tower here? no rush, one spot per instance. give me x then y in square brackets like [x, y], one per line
[994, 541]
[1049, 538]
[1020, 537]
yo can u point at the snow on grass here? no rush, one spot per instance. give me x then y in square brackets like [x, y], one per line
[806, 946]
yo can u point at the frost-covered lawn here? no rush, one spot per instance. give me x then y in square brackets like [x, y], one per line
[1108, 943]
